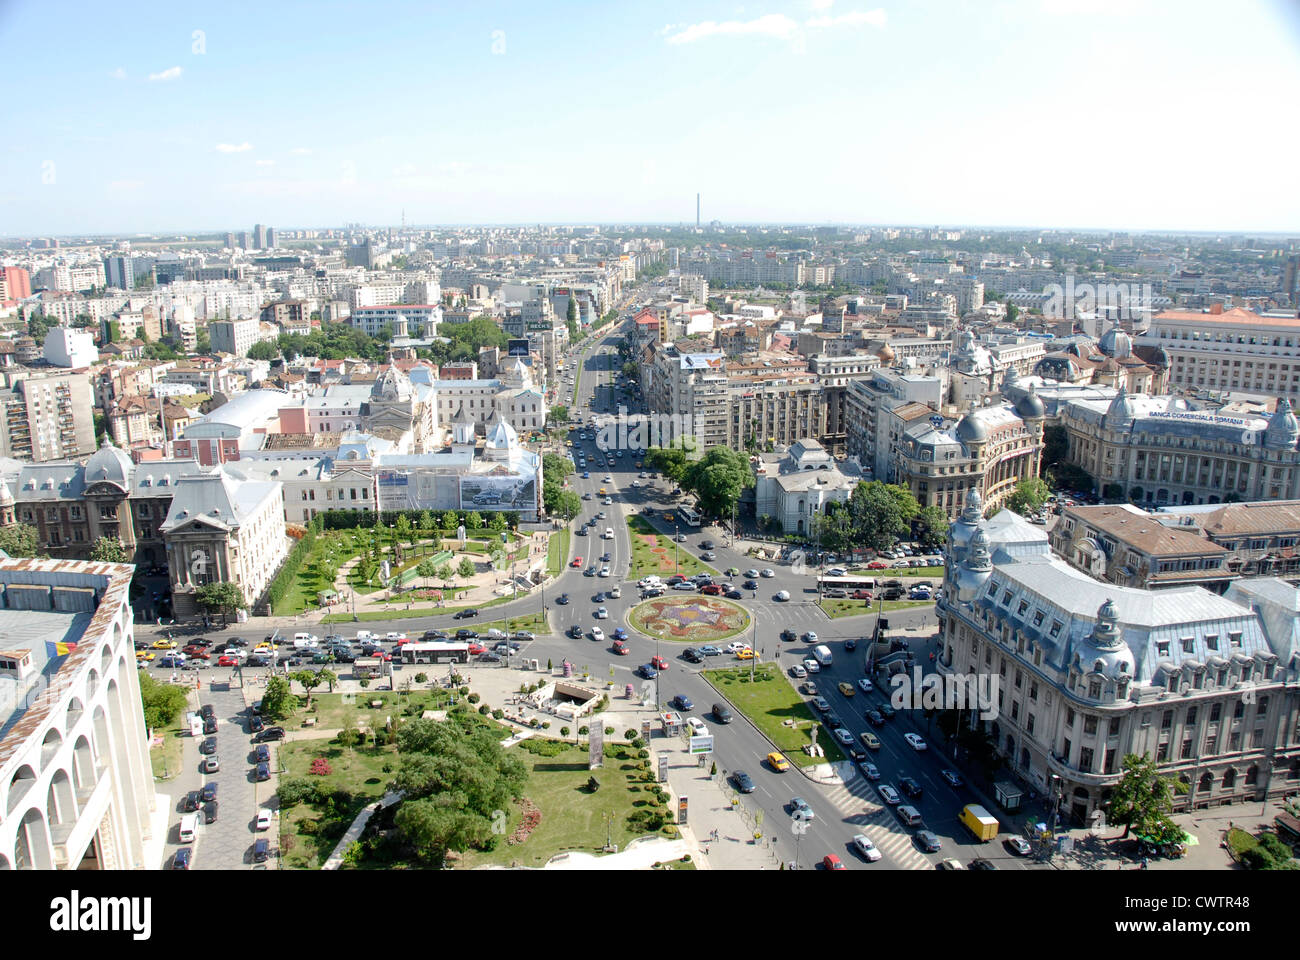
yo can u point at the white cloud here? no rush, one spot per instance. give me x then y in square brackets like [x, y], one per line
[857, 18]
[171, 73]
[772, 25]
[300, 151]
[266, 163]
[776, 25]
[234, 147]
[118, 74]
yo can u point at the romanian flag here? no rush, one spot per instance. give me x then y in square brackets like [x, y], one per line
[55, 649]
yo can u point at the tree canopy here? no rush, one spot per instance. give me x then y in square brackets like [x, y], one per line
[20, 540]
[718, 480]
[1143, 800]
[1029, 496]
[109, 550]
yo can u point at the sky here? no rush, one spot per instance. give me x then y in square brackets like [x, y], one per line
[1113, 114]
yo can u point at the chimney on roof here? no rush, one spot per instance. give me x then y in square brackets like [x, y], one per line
[1216, 309]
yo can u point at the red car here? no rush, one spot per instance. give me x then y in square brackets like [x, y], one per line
[659, 663]
[403, 641]
[861, 594]
[476, 648]
[832, 862]
[620, 647]
[576, 562]
[383, 655]
[196, 652]
[227, 662]
[712, 589]
[877, 565]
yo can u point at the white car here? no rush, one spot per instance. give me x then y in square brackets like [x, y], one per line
[837, 572]
[916, 742]
[864, 685]
[608, 480]
[646, 582]
[812, 666]
[597, 633]
[798, 671]
[735, 646]
[602, 614]
[889, 794]
[394, 636]
[783, 595]
[768, 572]
[264, 819]
[697, 726]
[866, 847]
[810, 637]
[616, 593]
[604, 572]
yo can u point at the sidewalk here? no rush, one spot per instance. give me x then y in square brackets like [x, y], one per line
[354, 831]
[709, 808]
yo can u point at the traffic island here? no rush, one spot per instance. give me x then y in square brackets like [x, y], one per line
[776, 709]
[689, 619]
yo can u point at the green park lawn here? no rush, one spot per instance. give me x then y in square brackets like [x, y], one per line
[653, 552]
[860, 608]
[166, 759]
[899, 573]
[768, 701]
[572, 818]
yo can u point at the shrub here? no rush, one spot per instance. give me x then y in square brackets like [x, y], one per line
[1257, 858]
[364, 682]
[609, 731]
[546, 724]
[474, 697]
[1276, 849]
[464, 692]
[421, 678]
[295, 790]
[543, 748]
[498, 713]
[564, 731]
[630, 734]
[309, 828]
[583, 731]
[484, 709]
[320, 767]
[643, 753]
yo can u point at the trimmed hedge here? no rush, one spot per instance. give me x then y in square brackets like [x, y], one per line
[284, 580]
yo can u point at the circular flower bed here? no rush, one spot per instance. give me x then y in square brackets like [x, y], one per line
[690, 619]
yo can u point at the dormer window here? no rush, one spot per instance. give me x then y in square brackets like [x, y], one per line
[1162, 648]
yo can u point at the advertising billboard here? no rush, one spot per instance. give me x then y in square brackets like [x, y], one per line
[510, 492]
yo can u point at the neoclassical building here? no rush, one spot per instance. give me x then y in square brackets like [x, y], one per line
[1157, 450]
[793, 486]
[990, 450]
[76, 786]
[1090, 671]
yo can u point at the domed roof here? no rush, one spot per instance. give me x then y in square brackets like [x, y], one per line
[110, 465]
[1104, 650]
[392, 384]
[1159, 359]
[1120, 412]
[1116, 343]
[501, 436]
[975, 569]
[970, 429]
[974, 508]
[1283, 430]
[1030, 407]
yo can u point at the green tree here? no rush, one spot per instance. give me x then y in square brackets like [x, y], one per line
[1029, 496]
[465, 568]
[1143, 799]
[329, 678]
[427, 570]
[403, 527]
[571, 314]
[20, 540]
[109, 550]
[558, 414]
[671, 462]
[163, 702]
[474, 520]
[498, 522]
[1012, 313]
[719, 479]
[932, 526]
[309, 680]
[444, 573]
[427, 523]
[278, 702]
[450, 521]
[880, 513]
[566, 505]
[264, 350]
[220, 597]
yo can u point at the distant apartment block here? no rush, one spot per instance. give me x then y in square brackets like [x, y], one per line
[48, 418]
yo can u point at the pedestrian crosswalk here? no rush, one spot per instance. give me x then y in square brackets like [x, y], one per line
[864, 813]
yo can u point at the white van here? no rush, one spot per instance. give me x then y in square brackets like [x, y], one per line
[364, 635]
[302, 641]
[909, 815]
[495, 634]
[608, 534]
[822, 654]
[188, 824]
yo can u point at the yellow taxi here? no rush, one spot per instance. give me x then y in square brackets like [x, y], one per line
[846, 688]
[164, 644]
[745, 654]
[602, 491]
[145, 655]
[870, 740]
[779, 763]
[668, 517]
[264, 647]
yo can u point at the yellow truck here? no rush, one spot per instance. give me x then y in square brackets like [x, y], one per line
[980, 822]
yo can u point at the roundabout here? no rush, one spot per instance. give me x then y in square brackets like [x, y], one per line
[689, 619]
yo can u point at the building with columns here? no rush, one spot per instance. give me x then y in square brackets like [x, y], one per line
[1088, 671]
[222, 528]
[76, 786]
[1158, 451]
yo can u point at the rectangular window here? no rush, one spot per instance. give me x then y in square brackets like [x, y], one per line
[1114, 726]
[1089, 725]
[1085, 758]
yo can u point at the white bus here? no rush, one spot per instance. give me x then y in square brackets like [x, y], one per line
[690, 516]
[435, 652]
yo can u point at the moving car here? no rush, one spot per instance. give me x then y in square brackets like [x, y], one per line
[910, 787]
[865, 685]
[647, 671]
[682, 702]
[832, 862]
[846, 688]
[949, 863]
[778, 762]
[869, 770]
[768, 572]
[463, 614]
[865, 847]
[743, 781]
[888, 794]
[799, 809]
[721, 713]
[929, 842]
[798, 671]
[597, 633]
[874, 718]
[812, 666]
[916, 742]
[781, 596]
[1019, 846]
[869, 740]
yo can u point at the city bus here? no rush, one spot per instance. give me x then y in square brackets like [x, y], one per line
[690, 516]
[849, 585]
[435, 652]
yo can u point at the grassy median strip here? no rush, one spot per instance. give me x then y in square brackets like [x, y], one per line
[769, 701]
[557, 551]
[652, 552]
[860, 608]
[577, 382]
[899, 572]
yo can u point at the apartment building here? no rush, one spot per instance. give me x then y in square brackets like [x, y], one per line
[411, 319]
[868, 402]
[48, 417]
[1226, 350]
[235, 337]
[833, 376]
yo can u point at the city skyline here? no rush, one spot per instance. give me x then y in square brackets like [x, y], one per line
[529, 122]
